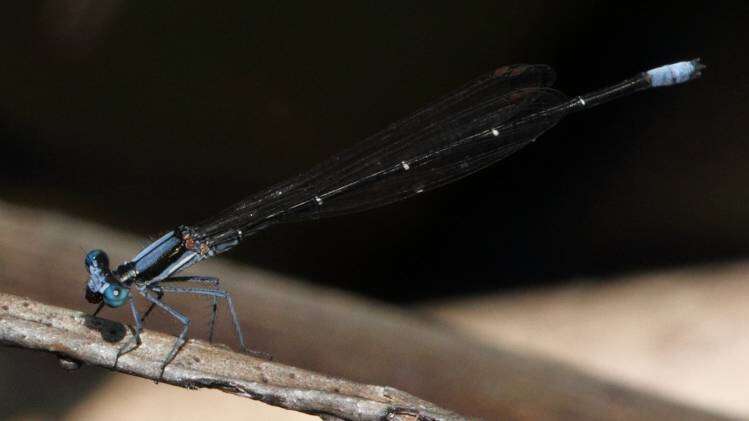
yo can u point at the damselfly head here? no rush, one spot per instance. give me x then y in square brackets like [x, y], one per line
[102, 284]
[97, 264]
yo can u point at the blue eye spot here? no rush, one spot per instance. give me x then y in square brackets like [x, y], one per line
[115, 295]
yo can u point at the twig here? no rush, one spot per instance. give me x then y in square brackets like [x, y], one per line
[77, 337]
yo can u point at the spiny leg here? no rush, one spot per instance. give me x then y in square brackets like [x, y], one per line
[177, 315]
[214, 308]
[189, 278]
[215, 293]
[223, 293]
[129, 346]
[154, 286]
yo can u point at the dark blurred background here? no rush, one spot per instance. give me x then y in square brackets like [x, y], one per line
[145, 115]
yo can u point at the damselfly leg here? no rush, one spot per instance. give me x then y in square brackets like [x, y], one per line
[160, 288]
[154, 293]
[135, 341]
[184, 320]
[215, 293]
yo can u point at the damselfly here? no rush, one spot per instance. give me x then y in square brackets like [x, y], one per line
[477, 125]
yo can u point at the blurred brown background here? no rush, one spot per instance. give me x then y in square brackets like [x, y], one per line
[144, 115]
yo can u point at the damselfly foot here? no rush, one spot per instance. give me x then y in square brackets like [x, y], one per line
[258, 354]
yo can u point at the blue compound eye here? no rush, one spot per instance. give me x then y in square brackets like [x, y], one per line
[97, 258]
[116, 295]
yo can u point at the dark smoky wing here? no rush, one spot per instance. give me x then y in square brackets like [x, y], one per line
[463, 144]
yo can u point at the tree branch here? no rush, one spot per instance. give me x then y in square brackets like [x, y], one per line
[79, 338]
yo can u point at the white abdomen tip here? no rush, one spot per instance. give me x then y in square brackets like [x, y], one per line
[672, 74]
